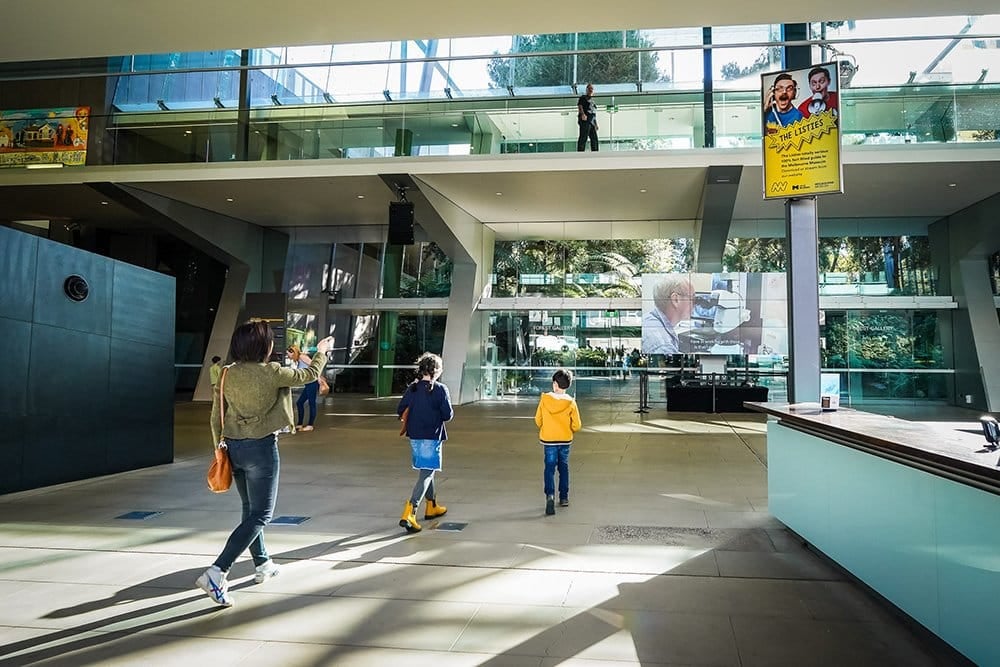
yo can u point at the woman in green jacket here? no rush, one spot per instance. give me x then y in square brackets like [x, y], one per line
[257, 399]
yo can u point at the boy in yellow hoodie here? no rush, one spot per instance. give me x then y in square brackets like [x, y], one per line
[557, 418]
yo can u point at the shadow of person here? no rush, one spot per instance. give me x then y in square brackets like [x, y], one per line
[166, 584]
[89, 635]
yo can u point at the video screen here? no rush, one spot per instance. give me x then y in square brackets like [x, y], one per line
[714, 313]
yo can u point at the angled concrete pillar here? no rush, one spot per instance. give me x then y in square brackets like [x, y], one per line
[718, 201]
[470, 246]
[961, 246]
[254, 256]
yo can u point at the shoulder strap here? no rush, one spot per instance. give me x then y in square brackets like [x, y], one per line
[222, 402]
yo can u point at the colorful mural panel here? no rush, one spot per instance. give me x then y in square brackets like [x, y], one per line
[44, 136]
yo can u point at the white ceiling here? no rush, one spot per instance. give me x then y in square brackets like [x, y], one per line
[114, 27]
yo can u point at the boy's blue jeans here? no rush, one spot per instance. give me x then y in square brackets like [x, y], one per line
[557, 456]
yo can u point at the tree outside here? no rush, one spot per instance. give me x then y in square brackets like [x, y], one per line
[563, 70]
[609, 268]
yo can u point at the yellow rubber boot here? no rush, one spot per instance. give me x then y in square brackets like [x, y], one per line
[433, 510]
[409, 519]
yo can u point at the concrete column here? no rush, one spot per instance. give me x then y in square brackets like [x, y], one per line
[803, 300]
[470, 245]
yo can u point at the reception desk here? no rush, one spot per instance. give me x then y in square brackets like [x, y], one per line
[911, 510]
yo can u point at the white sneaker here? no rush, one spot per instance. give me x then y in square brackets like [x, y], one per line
[213, 581]
[265, 571]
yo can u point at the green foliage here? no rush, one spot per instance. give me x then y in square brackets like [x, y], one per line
[754, 255]
[621, 260]
[767, 56]
[558, 70]
[435, 274]
[551, 358]
[591, 357]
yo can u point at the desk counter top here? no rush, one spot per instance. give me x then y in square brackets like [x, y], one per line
[954, 454]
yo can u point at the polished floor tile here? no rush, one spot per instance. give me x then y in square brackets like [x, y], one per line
[666, 556]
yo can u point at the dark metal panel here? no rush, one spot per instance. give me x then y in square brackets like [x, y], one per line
[142, 388]
[15, 341]
[142, 305]
[65, 450]
[55, 263]
[68, 376]
[12, 439]
[17, 274]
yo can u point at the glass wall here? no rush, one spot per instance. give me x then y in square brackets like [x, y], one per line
[903, 81]
[608, 268]
[355, 364]
[863, 265]
[524, 348]
[888, 354]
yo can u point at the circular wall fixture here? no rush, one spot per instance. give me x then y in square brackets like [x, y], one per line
[76, 288]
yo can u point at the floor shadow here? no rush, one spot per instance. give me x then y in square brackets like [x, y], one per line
[60, 647]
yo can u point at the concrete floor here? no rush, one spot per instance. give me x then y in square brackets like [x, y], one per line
[666, 556]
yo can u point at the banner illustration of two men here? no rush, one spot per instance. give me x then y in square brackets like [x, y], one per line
[801, 132]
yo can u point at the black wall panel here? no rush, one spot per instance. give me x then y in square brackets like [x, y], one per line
[69, 372]
[15, 346]
[141, 310]
[12, 437]
[17, 290]
[138, 403]
[88, 385]
[56, 262]
[64, 449]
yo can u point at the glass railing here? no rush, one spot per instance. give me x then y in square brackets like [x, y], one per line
[628, 122]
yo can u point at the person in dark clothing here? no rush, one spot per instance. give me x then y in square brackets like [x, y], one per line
[587, 119]
[429, 405]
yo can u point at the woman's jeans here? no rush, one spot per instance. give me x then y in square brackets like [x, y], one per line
[255, 474]
[309, 393]
[557, 456]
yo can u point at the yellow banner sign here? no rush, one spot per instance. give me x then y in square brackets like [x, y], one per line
[801, 132]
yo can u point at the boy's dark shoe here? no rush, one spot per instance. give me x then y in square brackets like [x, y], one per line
[564, 502]
[550, 506]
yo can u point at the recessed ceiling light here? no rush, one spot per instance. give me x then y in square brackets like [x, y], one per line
[229, 199]
[308, 129]
[454, 124]
[530, 144]
[104, 203]
[953, 185]
[361, 196]
[499, 194]
[642, 189]
[187, 131]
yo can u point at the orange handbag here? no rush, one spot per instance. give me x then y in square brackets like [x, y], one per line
[220, 473]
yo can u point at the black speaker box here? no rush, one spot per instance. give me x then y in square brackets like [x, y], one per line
[400, 223]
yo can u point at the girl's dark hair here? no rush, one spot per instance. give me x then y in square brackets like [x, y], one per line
[427, 364]
[251, 342]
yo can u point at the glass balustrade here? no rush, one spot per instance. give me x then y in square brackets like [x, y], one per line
[518, 94]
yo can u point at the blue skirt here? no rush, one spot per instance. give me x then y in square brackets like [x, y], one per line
[426, 454]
